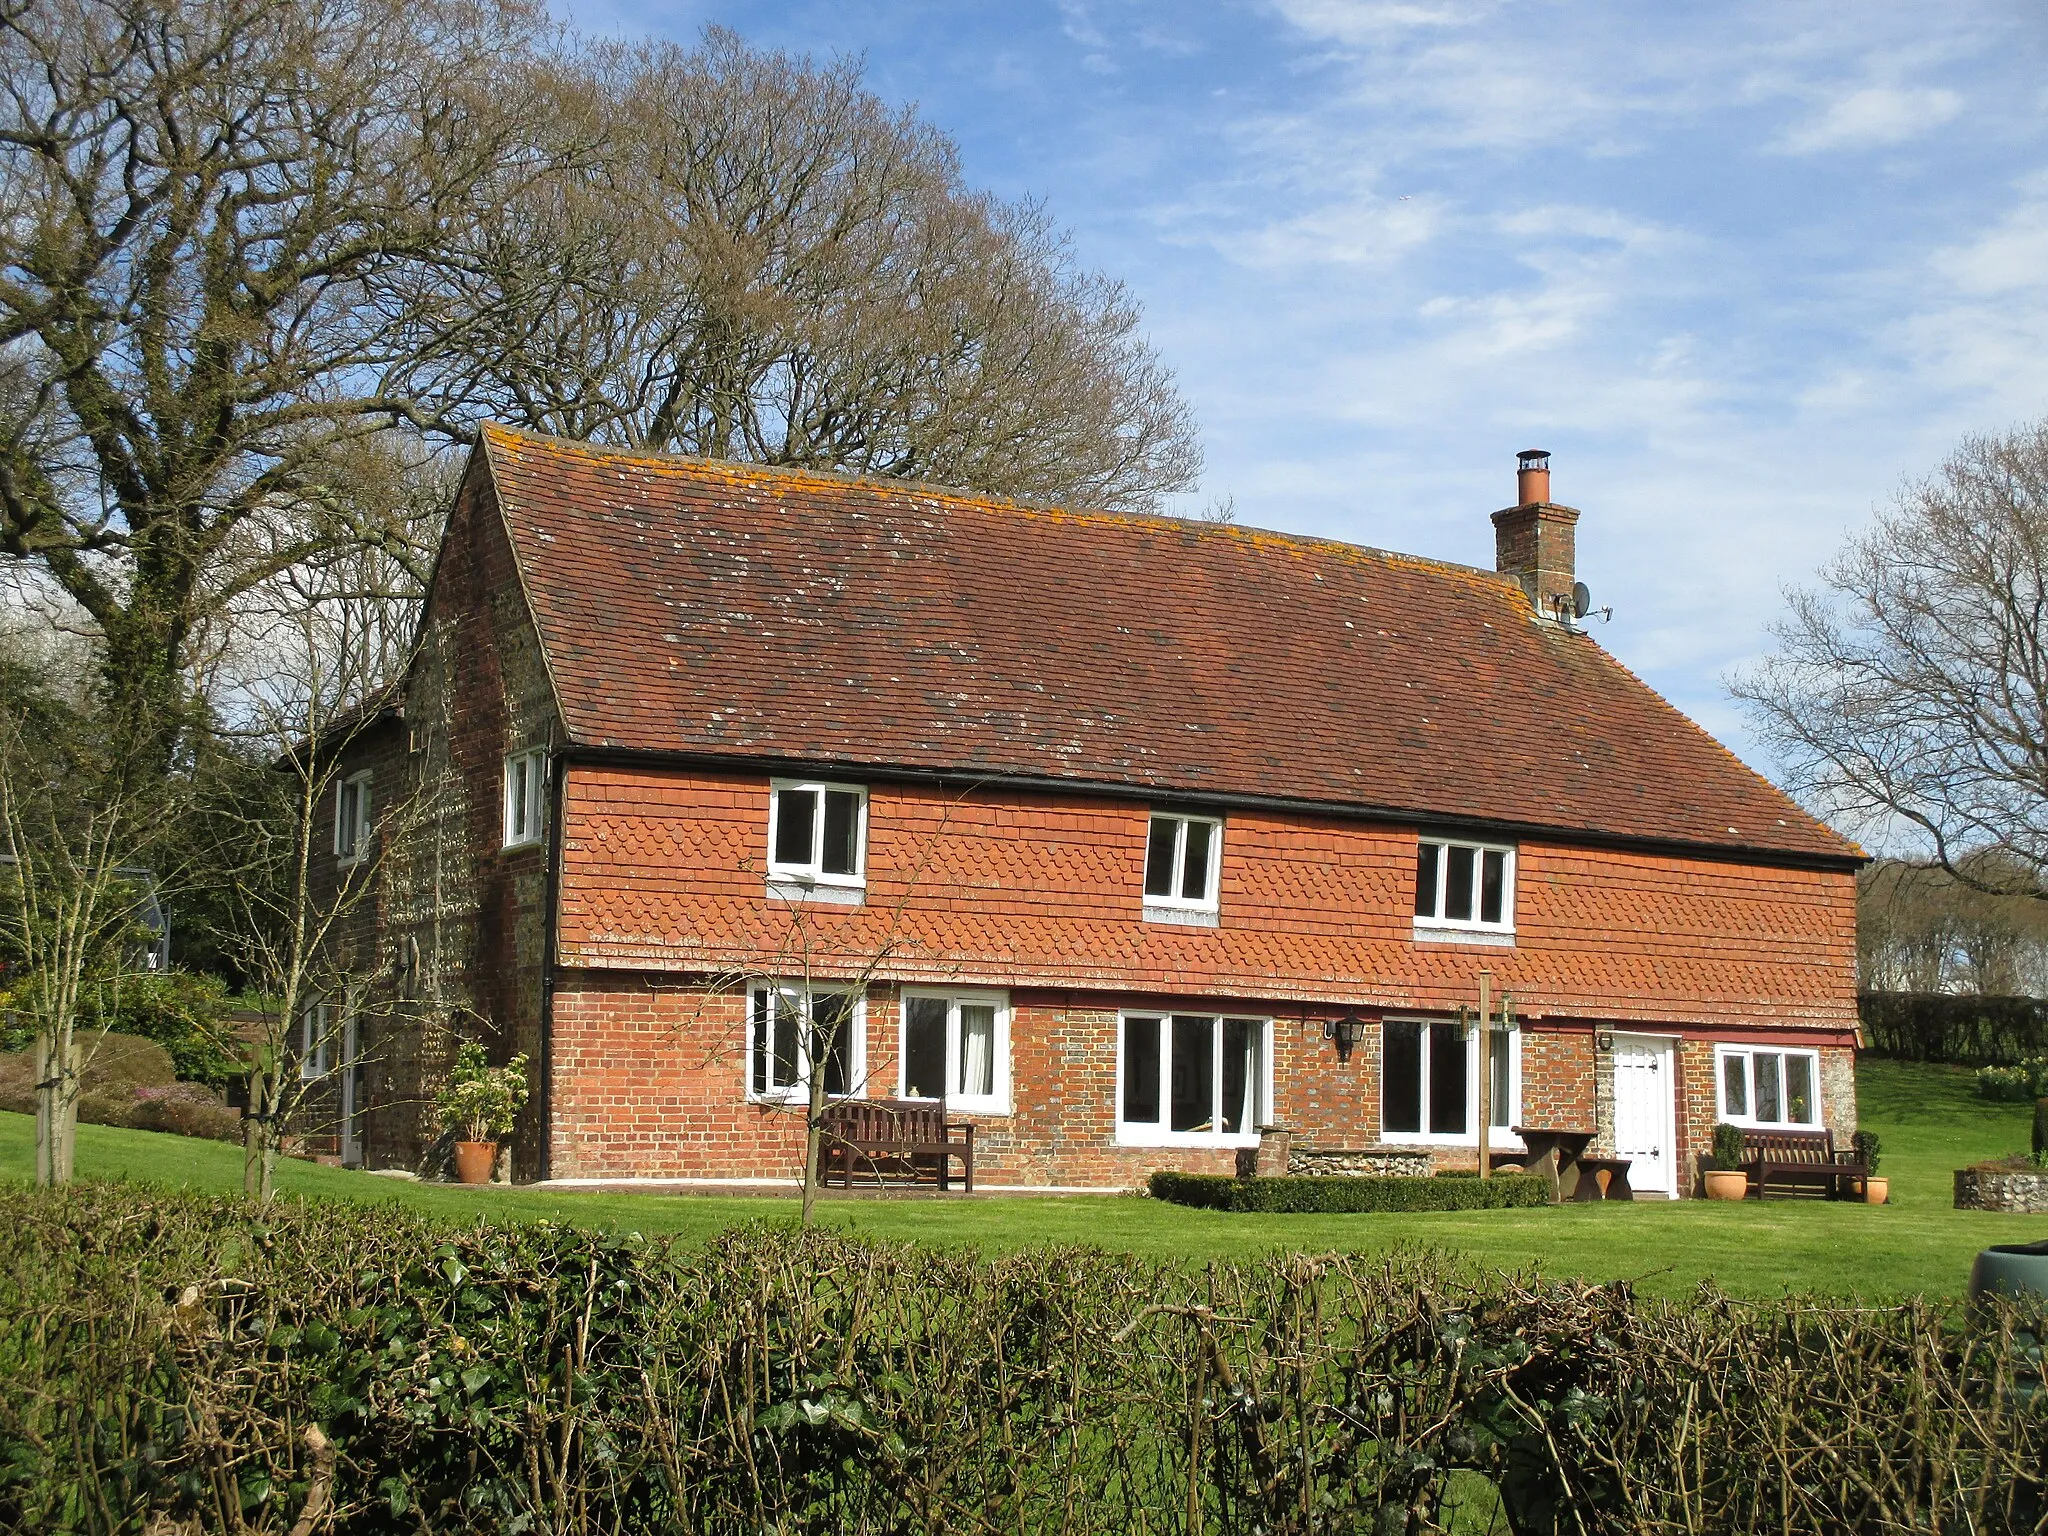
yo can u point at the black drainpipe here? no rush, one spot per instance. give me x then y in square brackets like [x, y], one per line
[557, 773]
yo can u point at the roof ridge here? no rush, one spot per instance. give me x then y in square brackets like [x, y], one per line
[987, 500]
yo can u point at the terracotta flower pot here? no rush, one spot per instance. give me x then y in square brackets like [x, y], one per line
[1877, 1189]
[475, 1160]
[1726, 1183]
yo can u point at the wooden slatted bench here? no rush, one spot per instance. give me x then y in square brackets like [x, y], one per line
[1800, 1159]
[893, 1138]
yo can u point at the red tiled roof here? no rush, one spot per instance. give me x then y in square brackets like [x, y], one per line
[697, 606]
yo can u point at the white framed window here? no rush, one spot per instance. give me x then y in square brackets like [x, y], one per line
[1468, 886]
[316, 1040]
[525, 796]
[1183, 861]
[352, 818]
[817, 833]
[792, 1029]
[1429, 1083]
[1768, 1086]
[956, 1046]
[1190, 1079]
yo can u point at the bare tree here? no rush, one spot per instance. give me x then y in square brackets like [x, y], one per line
[304, 841]
[240, 239]
[1910, 694]
[767, 263]
[76, 823]
[1920, 930]
[206, 208]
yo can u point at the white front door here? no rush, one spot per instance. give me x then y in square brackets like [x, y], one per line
[1644, 1079]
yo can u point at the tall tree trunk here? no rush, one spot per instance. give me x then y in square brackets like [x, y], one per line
[814, 1125]
[260, 1132]
[145, 684]
[252, 1135]
[56, 1061]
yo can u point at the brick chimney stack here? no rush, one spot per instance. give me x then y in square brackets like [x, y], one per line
[1533, 541]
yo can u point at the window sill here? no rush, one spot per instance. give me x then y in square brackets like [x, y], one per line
[977, 1106]
[1185, 917]
[784, 888]
[521, 846]
[1439, 933]
[1808, 1126]
[1149, 1136]
[1501, 1140]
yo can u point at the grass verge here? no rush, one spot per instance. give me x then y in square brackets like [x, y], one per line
[1930, 1120]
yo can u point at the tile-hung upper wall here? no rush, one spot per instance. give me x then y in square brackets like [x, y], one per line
[666, 871]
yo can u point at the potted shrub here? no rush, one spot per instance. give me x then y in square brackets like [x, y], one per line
[479, 1103]
[1875, 1190]
[1725, 1178]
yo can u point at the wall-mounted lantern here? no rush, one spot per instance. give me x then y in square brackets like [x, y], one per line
[1345, 1033]
[1604, 1040]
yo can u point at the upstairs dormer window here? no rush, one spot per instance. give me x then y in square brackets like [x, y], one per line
[1183, 856]
[817, 833]
[352, 818]
[525, 790]
[1464, 886]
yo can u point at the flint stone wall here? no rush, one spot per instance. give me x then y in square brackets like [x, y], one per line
[1358, 1162]
[2002, 1189]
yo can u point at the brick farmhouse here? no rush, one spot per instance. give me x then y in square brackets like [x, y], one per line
[1127, 836]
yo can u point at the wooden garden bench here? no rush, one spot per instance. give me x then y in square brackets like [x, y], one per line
[893, 1138]
[1591, 1186]
[1800, 1159]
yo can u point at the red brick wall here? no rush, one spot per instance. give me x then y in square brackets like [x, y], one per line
[651, 1083]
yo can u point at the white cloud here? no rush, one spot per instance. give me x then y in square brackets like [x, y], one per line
[1873, 118]
[1359, 23]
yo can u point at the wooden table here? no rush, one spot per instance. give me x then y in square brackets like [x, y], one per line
[1554, 1152]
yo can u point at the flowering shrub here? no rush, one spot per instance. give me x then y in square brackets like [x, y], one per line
[2015, 1084]
[481, 1101]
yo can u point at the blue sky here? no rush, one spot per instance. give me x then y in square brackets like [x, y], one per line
[1741, 267]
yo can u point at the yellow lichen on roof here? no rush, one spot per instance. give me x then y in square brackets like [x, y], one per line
[769, 477]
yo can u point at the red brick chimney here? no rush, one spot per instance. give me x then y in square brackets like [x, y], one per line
[1533, 540]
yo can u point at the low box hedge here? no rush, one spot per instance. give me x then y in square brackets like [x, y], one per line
[1335, 1195]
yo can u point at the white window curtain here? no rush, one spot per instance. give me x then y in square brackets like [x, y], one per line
[956, 1047]
[977, 1050]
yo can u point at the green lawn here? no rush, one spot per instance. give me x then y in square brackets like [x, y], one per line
[1930, 1121]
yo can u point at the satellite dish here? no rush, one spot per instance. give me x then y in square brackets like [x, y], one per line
[1582, 599]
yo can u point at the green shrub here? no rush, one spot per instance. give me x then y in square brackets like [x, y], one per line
[166, 1355]
[1346, 1196]
[189, 1015]
[1727, 1153]
[480, 1101]
[1865, 1145]
[2017, 1084]
[128, 1081]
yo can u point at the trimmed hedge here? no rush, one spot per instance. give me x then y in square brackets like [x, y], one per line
[1965, 1031]
[1331, 1195]
[174, 1363]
